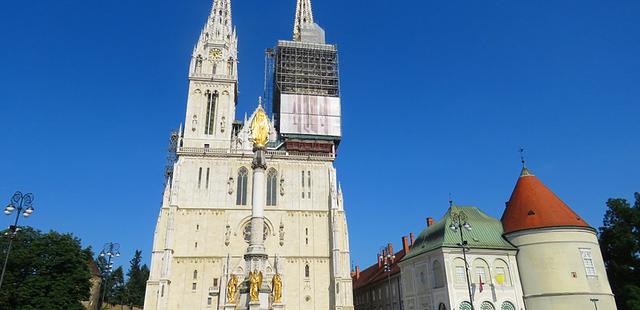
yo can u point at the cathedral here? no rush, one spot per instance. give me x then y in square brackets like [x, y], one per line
[252, 214]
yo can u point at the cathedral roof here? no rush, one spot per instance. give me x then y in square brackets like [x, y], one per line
[486, 233]
[533, 205]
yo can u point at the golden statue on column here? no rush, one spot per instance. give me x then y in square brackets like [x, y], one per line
[255, 280]
[232, 288]
[276, 289]
[260, 127]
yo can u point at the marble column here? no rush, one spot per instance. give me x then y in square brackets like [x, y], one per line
[256, 244]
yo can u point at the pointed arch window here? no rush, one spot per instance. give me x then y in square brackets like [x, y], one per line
[241, 192]
[306, 271]
[272, 187]
[230, 67]
[199, 64]
[212, 99]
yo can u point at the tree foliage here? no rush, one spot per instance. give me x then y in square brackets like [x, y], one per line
[620, 245]
[44, 271]
[130, 292]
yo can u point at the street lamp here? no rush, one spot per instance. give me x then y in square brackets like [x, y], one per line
[109, 250]
[18, 203]
[458, 223]
[595, 302]
[388, 259]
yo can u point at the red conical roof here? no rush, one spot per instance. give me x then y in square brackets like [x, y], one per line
[533, 205]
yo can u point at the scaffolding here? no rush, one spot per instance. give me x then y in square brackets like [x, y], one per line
[306, 69]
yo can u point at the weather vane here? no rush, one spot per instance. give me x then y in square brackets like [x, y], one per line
[450, 200]
[522, 157]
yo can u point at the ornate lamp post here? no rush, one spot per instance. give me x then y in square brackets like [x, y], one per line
[459, 223]
[18, 203]
[109, 250]
[387, 262]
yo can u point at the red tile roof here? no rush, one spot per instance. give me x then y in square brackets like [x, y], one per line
[374, 273]
[533, 205]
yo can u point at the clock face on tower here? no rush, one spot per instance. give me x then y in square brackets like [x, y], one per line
[215, 54]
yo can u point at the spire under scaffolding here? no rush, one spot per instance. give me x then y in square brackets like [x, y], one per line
[304, 17]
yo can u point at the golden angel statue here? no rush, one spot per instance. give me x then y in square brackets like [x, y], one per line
[255, 280]
[232, 288]
[276, 289]
[260, 128]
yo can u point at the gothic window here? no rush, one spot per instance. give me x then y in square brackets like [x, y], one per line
[272, 187]
[194, 286]
[199, 64]
[195, 274]
[212, 99]
[306, 271]
[442, 307]
[438, 278]
[199, 177]
[207, 179]
[230, 67]
[241, 191]
[309, 183]
[302, 184]
[246, 232]
[587, 260]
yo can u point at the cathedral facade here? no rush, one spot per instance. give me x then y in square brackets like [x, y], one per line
[201, 256]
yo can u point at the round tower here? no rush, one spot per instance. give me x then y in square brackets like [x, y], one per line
[559, 257]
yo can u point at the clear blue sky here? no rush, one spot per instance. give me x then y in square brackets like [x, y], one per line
[437, 97]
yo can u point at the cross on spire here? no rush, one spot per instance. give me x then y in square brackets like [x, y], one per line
[522, 158]
[304, 16]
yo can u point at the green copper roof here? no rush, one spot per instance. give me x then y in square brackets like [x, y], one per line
[485, 233]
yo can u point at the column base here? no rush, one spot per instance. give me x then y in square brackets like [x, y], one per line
[279, 306]
[229, 307]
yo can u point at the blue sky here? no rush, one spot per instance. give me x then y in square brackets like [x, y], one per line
[438, 96]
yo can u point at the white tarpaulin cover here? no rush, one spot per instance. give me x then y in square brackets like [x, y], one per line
[310, 115]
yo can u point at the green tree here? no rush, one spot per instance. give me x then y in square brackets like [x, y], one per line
[44, 271]
[116, 292]
[137, 277]
[620, 246]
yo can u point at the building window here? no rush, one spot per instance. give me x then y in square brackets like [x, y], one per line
[272, 187]
[460, 275]
[481, 272]
[309, 183]
[209, 301]
[162, 291]
[212, 98]
[199, 177]
[194, 286]
[302, 184]
[442, 307]
[207, 179]
[199, 64]
[502, 273]
[438, 278]
[306, 271]
[241, 192]
[587, 260]
[230, 67]
[487, 306]
[215, 282]
[195, 274]
[507, 306]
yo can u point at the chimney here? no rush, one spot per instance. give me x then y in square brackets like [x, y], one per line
[379, 262]
[390, 249]
[411, 237]
[429, 221]
[405, 245]
[357, 272]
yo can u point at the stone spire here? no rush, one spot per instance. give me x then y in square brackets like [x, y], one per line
[304, 17]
